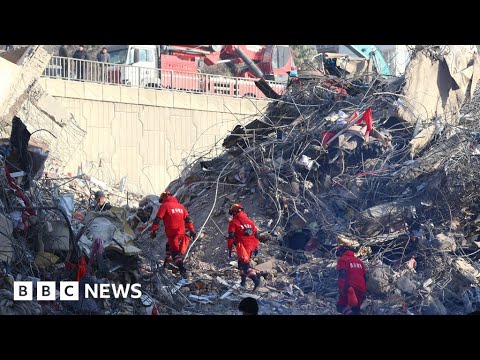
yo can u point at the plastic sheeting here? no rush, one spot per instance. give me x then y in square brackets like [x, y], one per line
[66, 203]
[111, 228]
[58, 238]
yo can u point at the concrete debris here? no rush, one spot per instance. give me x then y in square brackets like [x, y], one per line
[22, 73]
[378, 279]
[388, 168]
[427, 82]
[377, 219]
[266, 266]
[434, 307]
[444, 242]
[381, 228]
[371, 172]
[470, 272]
[344, 240]
[10, 307]
[406, 285]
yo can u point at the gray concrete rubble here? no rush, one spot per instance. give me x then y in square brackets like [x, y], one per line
[444, 242]
[24, 70]
[404, 195]
[379, 278]
[406, 285]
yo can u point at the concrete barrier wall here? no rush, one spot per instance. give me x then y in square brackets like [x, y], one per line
[145, 134]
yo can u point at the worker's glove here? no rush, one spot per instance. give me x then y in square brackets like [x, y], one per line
[153, 235]
[255, 253]
[193, 234]
[229, 253]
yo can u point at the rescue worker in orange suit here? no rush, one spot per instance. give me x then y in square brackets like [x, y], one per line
[178, 228]
[242, 233]
[351, 281]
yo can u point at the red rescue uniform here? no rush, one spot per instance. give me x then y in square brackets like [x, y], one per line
[242, 233]
[351, 273]
[173, 215]
[238, 225]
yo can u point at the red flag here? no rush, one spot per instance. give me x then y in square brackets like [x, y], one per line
[367, 117]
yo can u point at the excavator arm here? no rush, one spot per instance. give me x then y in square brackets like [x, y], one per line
[366, 51]
[213, 54]
[261, 83]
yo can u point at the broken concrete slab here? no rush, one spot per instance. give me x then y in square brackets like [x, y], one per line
[469, 273]
[122, 242]
[15, 55]
[32, 64]
[50, 106]
[378, 219]
[346, 241]
[406, 285]
[434, 91]
[444, 242]
[378, 279]
[8, 72]
[266, 266]
[461, 65]
[85, 244]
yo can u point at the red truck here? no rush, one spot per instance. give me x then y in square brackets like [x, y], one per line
[180, 67]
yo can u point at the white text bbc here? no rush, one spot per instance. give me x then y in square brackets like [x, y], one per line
[69, 291]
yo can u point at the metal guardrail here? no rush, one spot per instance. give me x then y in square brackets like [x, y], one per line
[135, 76]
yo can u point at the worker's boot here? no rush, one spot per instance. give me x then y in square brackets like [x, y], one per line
[167, 265]
[179, 264]
[167, 260]
[183, 271]
[257, 282]
[243, 282]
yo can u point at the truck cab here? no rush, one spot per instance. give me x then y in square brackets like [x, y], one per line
[137, 65]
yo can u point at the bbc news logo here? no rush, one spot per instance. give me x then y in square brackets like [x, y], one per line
[69, 291]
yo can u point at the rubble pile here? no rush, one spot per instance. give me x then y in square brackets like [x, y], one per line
[47, 229]
[406, 195]
[387, 166]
